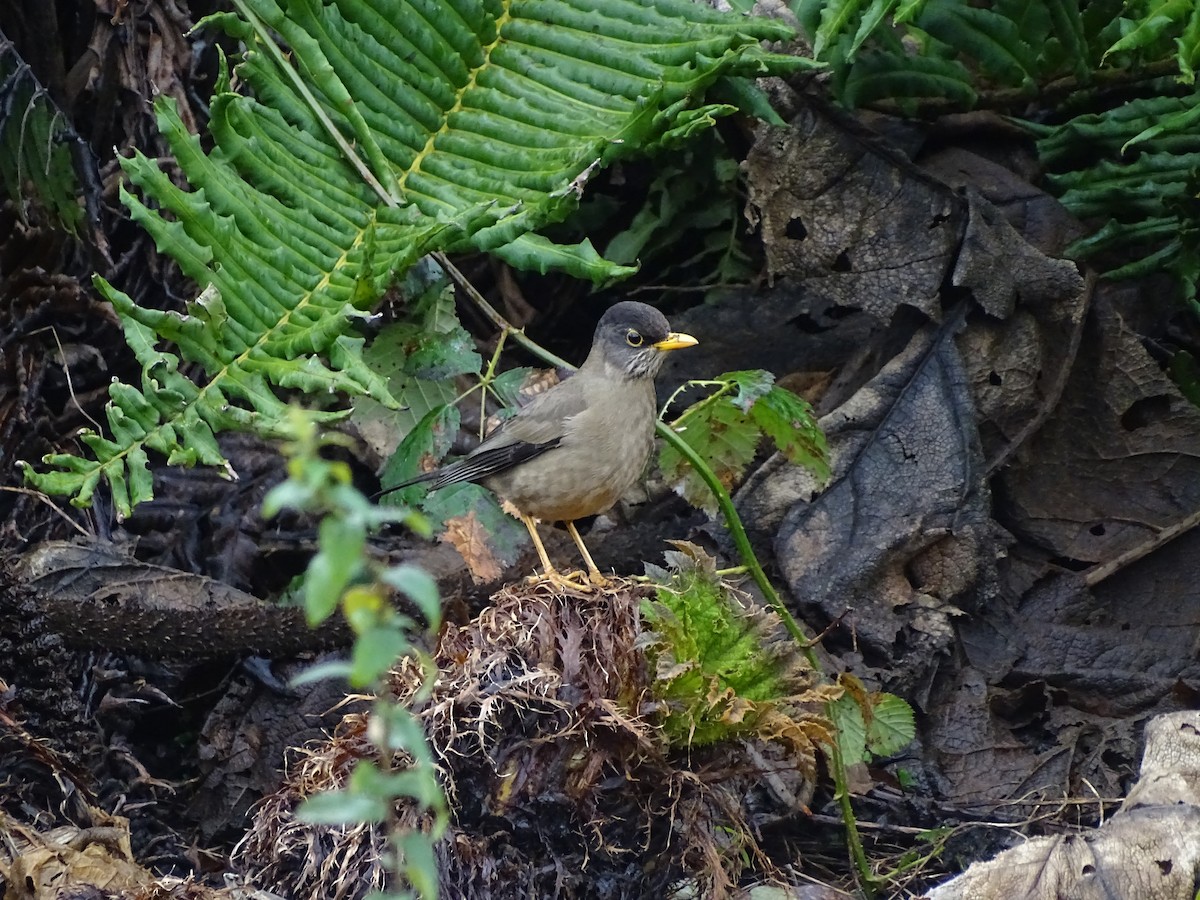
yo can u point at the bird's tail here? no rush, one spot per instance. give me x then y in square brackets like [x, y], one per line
[420, 479]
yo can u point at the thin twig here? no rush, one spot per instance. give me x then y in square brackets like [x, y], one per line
[67, 372]
[1098, 573]
[505, 327]
[54, 506]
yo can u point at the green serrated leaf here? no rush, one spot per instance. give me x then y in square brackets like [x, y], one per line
[374, 653]
[420, 451]
[892, 725]
[507, 386]
[752, 384]
[788, 420]
[725, 438]
[851, 729]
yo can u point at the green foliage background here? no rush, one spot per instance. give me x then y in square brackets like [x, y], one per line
[386, 131]
[1108, 87]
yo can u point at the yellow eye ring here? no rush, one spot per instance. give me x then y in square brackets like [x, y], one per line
[633, 338]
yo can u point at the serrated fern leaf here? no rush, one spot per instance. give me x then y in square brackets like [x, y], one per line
[881, 74]
[1188, 47]
[1136, 167]
[836, 16]
[1143, 32]
[389, 129]
[985, 35]
[508, 104]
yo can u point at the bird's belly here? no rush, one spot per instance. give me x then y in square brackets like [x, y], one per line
[576, 480]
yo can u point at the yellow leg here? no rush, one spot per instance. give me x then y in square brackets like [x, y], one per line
[547, 566]
[552, 574]
[594, 575]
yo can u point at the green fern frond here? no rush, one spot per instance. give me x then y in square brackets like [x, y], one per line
[1153, 22]
[388, 130]
[879, 75]
[902, 50]
[985, 35]
[1136, 167]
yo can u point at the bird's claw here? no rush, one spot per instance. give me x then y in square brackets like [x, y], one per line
[598, 578]
[576, 581]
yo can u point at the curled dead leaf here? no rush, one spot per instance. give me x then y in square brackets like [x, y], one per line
[468, 536]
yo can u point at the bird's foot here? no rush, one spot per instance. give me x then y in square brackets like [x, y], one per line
[598, 578]
[575, 581]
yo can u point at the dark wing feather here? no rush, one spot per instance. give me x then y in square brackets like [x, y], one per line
[485, 462]
[536, 428]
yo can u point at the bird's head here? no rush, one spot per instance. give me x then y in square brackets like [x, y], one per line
[634, 339]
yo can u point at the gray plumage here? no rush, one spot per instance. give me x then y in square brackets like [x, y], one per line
[574, 450]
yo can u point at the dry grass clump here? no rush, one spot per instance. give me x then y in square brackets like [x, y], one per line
[560, 779]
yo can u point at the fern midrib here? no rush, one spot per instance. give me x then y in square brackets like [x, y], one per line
[223, 374]
[457, 106]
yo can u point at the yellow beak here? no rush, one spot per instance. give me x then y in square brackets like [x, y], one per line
[676, 341]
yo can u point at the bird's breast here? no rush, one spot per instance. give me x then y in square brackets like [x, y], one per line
[603, 452]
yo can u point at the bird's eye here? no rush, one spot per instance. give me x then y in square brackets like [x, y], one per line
[633, 339]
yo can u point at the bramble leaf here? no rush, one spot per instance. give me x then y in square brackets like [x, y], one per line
[725, 429]
[788, 421]
[725, 438]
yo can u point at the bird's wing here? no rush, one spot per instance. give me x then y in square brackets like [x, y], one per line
[482, 463]
[538, 427]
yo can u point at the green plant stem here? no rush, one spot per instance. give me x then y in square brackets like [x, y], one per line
[724, 388]
[695, 382]
[858, 855]
[740, 540]
[732, 570]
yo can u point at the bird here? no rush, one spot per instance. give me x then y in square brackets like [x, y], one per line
[575, 449]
